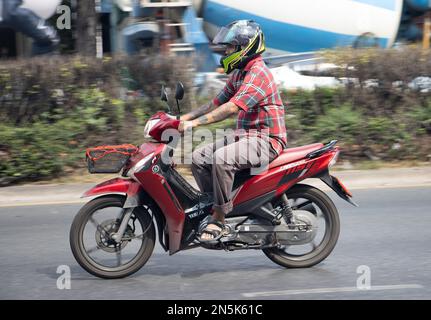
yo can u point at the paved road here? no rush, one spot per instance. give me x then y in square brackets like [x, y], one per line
[389, 234]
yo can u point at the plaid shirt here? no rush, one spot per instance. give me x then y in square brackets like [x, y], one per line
[254, 91]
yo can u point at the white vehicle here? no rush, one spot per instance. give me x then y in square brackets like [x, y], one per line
[43, 8]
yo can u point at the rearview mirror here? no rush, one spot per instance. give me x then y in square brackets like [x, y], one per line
[179, 92]
[164, 94]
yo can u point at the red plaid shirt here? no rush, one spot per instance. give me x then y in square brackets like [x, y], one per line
[254, 91]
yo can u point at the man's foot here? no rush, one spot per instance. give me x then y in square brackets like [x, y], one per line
[212, 232]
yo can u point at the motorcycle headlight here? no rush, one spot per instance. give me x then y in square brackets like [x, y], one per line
[141, 164]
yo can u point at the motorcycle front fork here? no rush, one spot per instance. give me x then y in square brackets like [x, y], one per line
[125, 217]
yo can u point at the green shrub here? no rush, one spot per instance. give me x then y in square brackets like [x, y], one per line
[48, 88]
[420, 118]
[37, 151]
[342, 123]
[382, 76]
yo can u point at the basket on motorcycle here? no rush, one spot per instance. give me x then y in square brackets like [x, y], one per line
[109, 159]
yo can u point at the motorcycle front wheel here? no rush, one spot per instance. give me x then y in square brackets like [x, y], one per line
[94, 248]
[320, 206]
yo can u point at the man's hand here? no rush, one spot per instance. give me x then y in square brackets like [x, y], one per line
[185, 125]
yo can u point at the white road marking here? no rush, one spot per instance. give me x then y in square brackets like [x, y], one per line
[329, 290]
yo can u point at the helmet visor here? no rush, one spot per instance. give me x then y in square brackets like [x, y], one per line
[222, 37]
[237, 33]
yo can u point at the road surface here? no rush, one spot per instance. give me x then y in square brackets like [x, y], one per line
[387, 238]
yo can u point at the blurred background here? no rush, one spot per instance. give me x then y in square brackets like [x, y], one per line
[75, 74]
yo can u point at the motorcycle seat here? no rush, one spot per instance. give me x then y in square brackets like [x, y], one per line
[287, 156]
[292, 154]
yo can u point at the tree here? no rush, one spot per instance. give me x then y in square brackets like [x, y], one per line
[86, 27]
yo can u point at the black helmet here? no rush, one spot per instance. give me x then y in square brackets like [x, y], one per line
[247, 36]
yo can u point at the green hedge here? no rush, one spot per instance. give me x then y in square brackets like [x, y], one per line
[52, 108]
[327, 114]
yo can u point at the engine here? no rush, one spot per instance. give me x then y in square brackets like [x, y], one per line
[249, 232]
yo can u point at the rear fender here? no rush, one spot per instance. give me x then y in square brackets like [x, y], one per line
[336, 185]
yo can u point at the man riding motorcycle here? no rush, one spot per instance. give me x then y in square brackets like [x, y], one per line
[252, 94]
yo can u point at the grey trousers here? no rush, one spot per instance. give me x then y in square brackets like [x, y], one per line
[214, 165]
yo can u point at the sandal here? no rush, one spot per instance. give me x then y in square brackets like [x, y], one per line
[215, 233]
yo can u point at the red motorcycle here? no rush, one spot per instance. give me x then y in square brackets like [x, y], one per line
[113, 235]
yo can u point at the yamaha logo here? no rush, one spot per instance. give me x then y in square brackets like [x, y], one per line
[196, 214]
[156, 168]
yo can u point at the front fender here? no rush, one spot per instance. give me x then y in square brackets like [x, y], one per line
[113, 186]
[130, 188]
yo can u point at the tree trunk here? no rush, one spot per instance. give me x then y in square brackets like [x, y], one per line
[86, 27]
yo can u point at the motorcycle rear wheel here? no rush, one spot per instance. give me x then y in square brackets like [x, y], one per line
[82, 254]
[330, 238]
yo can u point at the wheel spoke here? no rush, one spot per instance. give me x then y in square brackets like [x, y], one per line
[299, 206]
[140, 237]
[284, 248]
[313, 246]
[94, 249]
[99, 227]
[94, 222]
[118, 254]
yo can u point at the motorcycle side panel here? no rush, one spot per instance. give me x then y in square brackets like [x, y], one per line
[310, 169]
[160, 191]
[282, 178]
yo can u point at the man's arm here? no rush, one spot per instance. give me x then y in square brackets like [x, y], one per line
[198, 112]
[218, 114]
